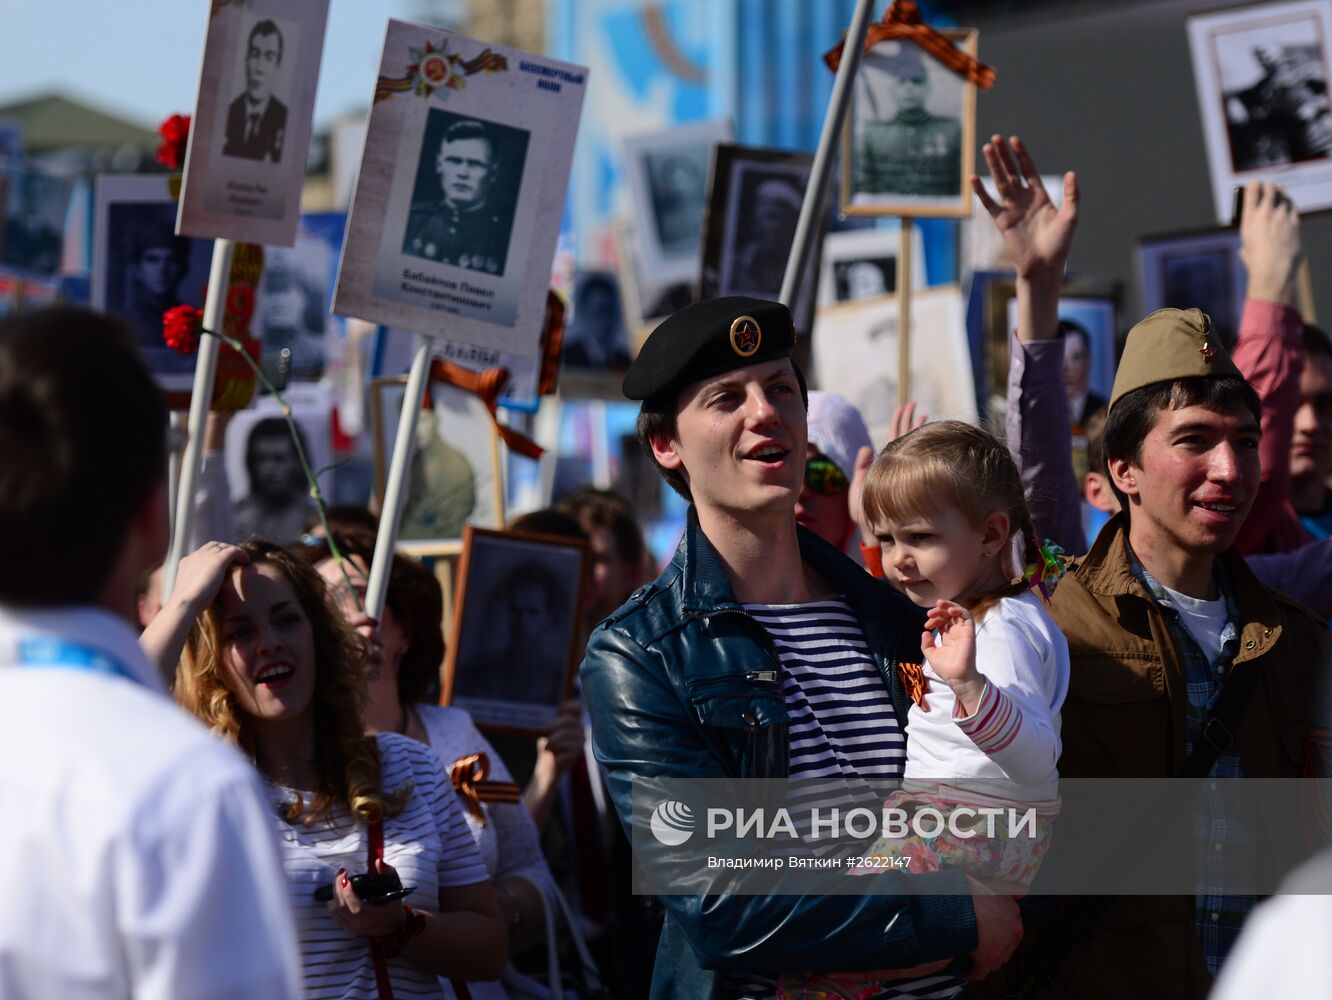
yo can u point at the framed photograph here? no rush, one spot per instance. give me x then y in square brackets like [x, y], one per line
[855, 355]
[461, 190]
[595, 337]
[910, 134]
[861, 264]
[35, 205]
[250, 134]
[644, 305]
[269, 492]
[753, 206]
[1199, 269]
[455, 478]
[668, 182]
[291, 302]
[141, 268]
[1087, 305]
[1262, 74]
[1090, 324]
[516, 630]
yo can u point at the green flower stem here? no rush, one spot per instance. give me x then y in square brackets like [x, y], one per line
[315, 493]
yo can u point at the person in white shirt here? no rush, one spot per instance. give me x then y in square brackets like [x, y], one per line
[141, 857]
[271, 665]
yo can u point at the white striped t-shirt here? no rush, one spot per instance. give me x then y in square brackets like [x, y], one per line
[843, 728]
[429, 846]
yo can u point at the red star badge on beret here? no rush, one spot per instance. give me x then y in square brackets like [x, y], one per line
[745, 336]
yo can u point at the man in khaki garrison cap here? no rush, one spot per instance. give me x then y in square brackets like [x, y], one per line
[1183, 664]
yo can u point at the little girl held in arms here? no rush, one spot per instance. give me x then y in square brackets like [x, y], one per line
[946, 501]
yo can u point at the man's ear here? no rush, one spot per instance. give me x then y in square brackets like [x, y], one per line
[1124, 474]
[666, 452]
[995, 532]
[1096, 491]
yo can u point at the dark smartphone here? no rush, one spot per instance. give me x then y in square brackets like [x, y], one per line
[371, 888]
[1237, 207]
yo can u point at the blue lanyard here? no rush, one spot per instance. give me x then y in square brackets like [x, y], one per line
[48, 652]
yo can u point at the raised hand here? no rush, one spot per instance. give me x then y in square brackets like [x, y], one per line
[1270, 243]
[954, 658]
[1038, 235]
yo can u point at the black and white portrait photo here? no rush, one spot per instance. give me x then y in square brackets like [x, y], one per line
[667, 174]
[1274, 79]
[256, 123]
[35, 208]
[466, 189]
[141, 268]
[291, 306]
[854, 280]
[270, 495]
[1261, 73]
[512, 653]
[910, 133]
[595, 337]
[754, 205]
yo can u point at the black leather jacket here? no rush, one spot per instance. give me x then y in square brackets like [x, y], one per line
[682, 682]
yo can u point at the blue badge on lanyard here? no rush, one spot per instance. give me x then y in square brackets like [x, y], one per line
[60, 653]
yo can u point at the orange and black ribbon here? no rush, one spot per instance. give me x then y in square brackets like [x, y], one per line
[904, 23]
[435, 68]
[469, 776]
[485, 386]
[913, 679]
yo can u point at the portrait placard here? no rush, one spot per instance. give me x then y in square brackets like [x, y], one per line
[33, 210]
[1198, 269]
[861, 264]
[753, 207]
[461, 190]
[910, 134]
[250, 135]
[1262, 73]
[516, 630]
[141, 268]
[668, 182]
[855, 355]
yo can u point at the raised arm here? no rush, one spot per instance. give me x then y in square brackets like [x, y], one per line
[1038, 237]
[1270, 354]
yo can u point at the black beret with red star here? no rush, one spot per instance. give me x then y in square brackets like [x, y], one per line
[707, 339]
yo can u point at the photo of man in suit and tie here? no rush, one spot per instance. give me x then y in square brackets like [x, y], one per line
[256, 120]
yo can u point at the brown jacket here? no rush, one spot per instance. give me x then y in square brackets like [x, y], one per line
[1125, 717]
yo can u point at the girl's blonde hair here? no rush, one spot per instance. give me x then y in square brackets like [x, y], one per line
[346, 761]
[950, 462]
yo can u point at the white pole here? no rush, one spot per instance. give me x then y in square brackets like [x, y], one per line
[205, 368]
[395, 493]
[807, 228]
[173, 462]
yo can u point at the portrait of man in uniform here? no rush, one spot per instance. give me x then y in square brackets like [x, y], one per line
[908, 146]
[466, 187]
[256, 120]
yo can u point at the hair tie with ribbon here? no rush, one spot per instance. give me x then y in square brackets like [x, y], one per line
[903, 22]
[469, 775]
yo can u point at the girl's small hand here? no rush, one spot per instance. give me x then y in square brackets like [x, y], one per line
[356, 915]
[954, 659]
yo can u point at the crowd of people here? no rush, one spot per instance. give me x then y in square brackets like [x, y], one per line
[931, 617]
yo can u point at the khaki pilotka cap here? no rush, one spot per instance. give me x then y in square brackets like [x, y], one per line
[1171, 344]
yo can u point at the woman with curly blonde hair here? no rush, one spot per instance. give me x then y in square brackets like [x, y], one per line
[270, 664]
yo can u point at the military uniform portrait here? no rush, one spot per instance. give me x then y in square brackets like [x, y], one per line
[33, 233]
[467, 183]
[911, 132]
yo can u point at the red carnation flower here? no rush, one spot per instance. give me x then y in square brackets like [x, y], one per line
[175, 131]
[181, 326]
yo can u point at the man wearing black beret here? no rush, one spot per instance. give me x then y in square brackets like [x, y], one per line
[763, 652]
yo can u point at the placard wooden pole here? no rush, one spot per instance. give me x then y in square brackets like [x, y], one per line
[1304, 293]
[176, 439]
[205, 369]
[395, 492]
[904, 311]
[807, 227]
